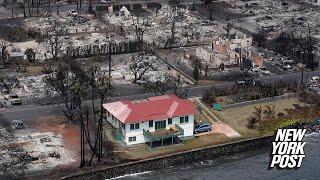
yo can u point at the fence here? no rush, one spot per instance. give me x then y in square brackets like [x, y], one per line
[264, 100]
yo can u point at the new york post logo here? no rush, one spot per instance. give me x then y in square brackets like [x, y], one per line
[287, 149]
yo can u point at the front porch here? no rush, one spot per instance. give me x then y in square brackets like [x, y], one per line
[164, 135]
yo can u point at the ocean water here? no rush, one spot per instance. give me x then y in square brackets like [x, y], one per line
[249, 165]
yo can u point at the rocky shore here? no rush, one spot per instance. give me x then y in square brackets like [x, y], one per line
[309, 126]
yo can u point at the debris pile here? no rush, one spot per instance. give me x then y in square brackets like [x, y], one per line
[27, 86]
[121, 73]
[34, 152]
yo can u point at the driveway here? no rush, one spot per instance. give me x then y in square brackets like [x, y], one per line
[217, 125]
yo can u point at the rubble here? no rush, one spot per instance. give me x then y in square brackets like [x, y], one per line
[122, 74]
[35, 151]
[27, 86]
[275, 16]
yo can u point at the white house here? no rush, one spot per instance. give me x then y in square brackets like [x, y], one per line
[154, 119]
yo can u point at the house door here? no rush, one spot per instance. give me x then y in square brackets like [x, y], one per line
[160, 125]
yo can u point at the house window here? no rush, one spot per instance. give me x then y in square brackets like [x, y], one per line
[123, 126]
[169, 120]
[150, 123]
[181, 119]
[134, 126]
[131, 139]
[108, 113]
[186, 119]
[112, 118]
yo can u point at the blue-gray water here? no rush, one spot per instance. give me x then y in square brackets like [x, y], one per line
[250, 165]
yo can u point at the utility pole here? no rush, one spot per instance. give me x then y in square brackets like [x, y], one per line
[310, 49]
[301, 66]
[110, 63]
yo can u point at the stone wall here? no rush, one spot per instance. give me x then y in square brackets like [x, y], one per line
[176, 159]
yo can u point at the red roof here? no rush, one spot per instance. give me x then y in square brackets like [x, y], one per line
[154, 108]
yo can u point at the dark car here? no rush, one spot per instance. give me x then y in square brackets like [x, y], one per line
[202, 128]
[18, 124]
[318, 121]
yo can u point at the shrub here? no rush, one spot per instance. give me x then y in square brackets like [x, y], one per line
[310, 97]
[209, 97]
[31, 55]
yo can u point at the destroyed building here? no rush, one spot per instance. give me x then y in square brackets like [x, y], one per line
[13, 55]
[314, 2]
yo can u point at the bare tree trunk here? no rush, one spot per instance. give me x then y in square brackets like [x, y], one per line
[100, 127]
[29, 8]
[38, 3]
[82, 139]
[77, 6]
[24, 8]
[12, 8]
[57, 6]
[49, 7]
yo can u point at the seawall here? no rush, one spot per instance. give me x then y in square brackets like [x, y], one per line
[175, 159]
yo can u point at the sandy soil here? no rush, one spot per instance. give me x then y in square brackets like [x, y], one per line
[70, 133]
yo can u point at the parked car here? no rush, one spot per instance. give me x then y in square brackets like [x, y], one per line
[18, 124]
[246, 81]
[314, 79]
[73, 12]
[13, 99]
[287, 67]
[318, 121]
[254, 71]
[313, 87]
[266, 73]
[202, 128]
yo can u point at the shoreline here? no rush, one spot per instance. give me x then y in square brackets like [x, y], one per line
[180, 158]
[100, 170]
[208, 164]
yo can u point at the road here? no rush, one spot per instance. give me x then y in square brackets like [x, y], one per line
[31, 112]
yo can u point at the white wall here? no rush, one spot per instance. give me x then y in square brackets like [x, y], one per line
[136, 132]
[115, 122]
[188, 129]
